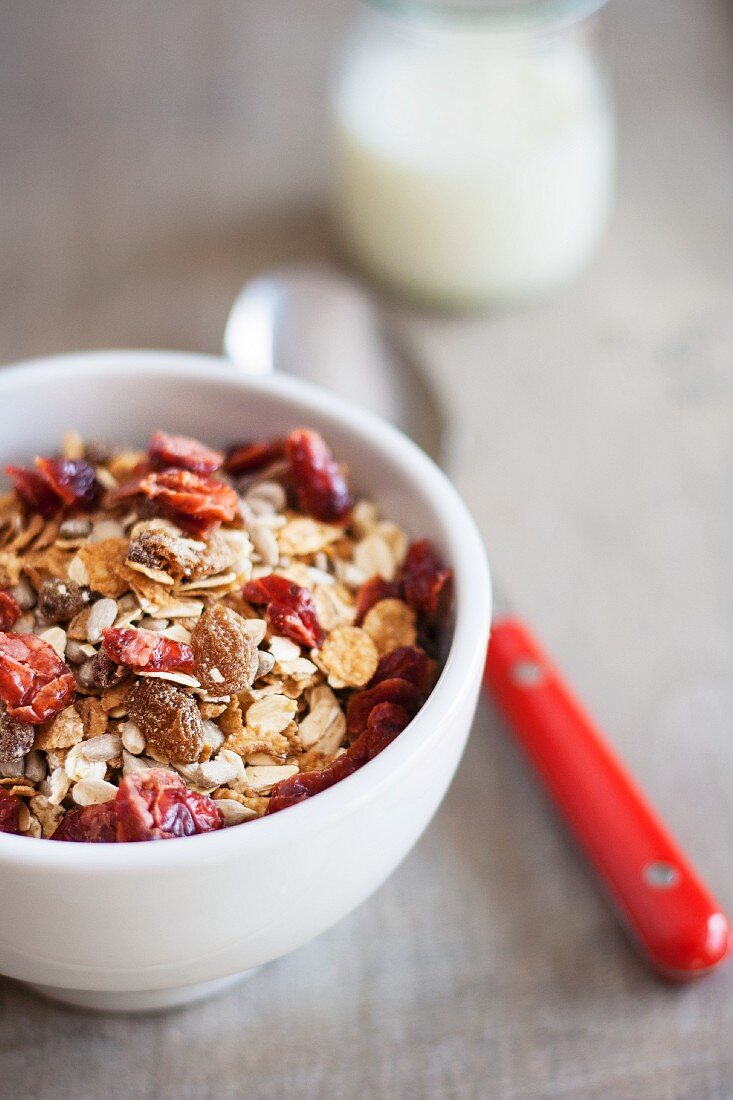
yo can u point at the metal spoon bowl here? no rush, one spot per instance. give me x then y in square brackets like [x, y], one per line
[323, 327]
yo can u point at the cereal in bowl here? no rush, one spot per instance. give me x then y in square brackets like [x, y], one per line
[190, 640]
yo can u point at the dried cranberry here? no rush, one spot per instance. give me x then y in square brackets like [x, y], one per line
[386, 721]
[396, 690]
[9, 812]
[291, 610]
[199, 498]
[184, 453]
[371, 592]
[288, 792]
[72, 480]
[249, 457]
[33, 490]
[195, 526]
[9, 610]
[130, 487]
[35, 683]
[157, 805]
[320, 485]
[89, 824]
[146, 650]
[407, 662]
[428, 585]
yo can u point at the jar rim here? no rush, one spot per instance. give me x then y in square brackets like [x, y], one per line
[495, 15]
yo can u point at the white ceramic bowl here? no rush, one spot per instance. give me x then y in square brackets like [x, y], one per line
[141, 926]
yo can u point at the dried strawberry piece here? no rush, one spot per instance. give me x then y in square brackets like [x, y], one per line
[371, 592]
[72, 480]
[89, 824]
[9, 610]
[146, 650]
[33, 490]
[250, 457]
[157, 805]
[396, 690]
[192, 495]
[184, 453]
[35, 683]
[9, 812]
[320, 485]
[291, 610]
[386, 721]
[407, 662]
[428, 585]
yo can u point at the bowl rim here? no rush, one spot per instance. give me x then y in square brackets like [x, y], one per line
[461, 669]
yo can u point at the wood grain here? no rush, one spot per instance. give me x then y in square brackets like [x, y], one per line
[156, 155]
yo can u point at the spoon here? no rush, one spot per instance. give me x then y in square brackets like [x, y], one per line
[319, 325]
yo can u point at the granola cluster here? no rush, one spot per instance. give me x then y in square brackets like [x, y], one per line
[189, 641]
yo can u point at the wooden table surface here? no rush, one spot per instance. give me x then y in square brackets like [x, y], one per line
[155, 156]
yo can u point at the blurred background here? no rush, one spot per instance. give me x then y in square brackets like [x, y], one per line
[153, 157]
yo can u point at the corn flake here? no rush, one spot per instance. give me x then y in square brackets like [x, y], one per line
[350, 656]
[63, 731]
[105, 565]
[391, 623]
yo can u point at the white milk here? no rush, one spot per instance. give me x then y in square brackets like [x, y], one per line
[471, 179]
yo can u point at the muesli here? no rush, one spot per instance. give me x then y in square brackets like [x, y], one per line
[190, 640]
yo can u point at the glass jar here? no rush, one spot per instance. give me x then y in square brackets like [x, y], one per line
[474, 146]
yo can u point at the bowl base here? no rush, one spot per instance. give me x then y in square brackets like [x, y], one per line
[139, 1000]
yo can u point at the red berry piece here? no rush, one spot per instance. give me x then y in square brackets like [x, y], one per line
[397, 691]
[247, 458]
[319, 483]
[130, 487]
[157, 805]
[291, 610]
[146, 650]
[201, 499]
[72, 480]
[33, 490]
[89, 824]
[35, 684]
[371, 592]
[288, 792]
[386, 721]
[407, 662]
[428, 585]
[9, 812]
[197, 528]
[184, 453]
[9, 610]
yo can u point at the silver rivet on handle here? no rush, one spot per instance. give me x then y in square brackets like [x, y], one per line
[661, 875]
[527, 673]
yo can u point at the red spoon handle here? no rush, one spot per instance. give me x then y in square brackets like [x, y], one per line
[665, 906]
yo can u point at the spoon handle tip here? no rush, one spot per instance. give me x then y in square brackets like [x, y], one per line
[669, 912]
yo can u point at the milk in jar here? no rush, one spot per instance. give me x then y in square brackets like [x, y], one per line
[473, 162]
